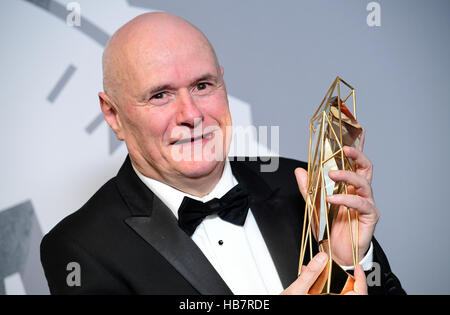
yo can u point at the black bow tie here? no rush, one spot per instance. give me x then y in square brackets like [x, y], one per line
[232, 207]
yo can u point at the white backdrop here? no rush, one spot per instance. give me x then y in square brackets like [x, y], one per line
[59, 150]
[279, 59]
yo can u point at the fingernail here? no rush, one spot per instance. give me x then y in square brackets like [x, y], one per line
[322, 257]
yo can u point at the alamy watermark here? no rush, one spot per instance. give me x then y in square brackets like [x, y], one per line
[374, 17]
[373, 278]
[211, 143]
[74, 16]
[73, 278]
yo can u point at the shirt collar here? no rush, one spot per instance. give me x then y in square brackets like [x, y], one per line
[173, 197]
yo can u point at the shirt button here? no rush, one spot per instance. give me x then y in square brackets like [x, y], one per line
[220, 242]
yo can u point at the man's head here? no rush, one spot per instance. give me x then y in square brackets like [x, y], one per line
[163, 86]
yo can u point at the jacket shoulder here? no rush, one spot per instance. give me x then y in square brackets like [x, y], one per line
[86, 220]
[277, 172]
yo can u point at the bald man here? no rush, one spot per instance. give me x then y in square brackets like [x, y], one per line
[179, 217]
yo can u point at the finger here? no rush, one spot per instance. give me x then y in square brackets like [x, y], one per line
[360, 286]
[302, 180]
[360, 204]
[364, 165]
[308, 276]
[359, 157]
[358, 181]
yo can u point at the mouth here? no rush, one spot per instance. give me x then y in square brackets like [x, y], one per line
[205, 136]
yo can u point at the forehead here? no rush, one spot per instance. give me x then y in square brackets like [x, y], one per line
[175, 63]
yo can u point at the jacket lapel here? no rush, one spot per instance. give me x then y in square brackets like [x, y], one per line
[157, 225]
[273, 217]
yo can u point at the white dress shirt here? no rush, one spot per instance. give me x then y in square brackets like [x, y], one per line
[238, 253]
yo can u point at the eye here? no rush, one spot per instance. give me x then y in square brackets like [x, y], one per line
[203, 88]
[160, 98]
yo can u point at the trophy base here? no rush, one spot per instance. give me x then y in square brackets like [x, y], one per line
[341, 281]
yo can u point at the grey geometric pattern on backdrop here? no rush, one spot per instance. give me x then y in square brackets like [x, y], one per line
[86, 27]
[20, 233]
[20, 236]
[62, 82]
[99, 36]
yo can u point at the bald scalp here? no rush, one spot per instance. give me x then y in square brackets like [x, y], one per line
[150, 33]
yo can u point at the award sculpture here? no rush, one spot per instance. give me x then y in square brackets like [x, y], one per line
[332, 127]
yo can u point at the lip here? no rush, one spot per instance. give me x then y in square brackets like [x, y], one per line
[204, 137]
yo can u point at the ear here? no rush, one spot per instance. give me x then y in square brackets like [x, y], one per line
[111, 115]
[221, 70]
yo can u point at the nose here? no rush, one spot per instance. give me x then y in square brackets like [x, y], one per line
[188, 114]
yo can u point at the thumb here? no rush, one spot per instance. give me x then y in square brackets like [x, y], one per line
[302, 180]
[360, 286]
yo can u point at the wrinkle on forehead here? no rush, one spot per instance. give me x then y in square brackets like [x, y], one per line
[145, 40]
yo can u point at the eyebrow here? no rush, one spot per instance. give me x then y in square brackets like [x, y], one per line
[206, 77]
[158, 88]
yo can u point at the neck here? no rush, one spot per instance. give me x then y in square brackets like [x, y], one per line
[196, 186]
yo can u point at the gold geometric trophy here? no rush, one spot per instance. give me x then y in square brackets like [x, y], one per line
[332, 127]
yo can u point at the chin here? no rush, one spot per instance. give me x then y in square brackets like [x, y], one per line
[198, 169]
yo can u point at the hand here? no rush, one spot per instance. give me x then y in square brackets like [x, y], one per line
[311, 272]
[360, 198]
[360, 286]
[308, 276]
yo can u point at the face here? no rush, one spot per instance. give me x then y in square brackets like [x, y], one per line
[174, 112]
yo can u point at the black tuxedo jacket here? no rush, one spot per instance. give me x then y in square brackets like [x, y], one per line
[126, 241]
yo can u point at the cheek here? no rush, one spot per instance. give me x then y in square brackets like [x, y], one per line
[147, 126]
[217, 109]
